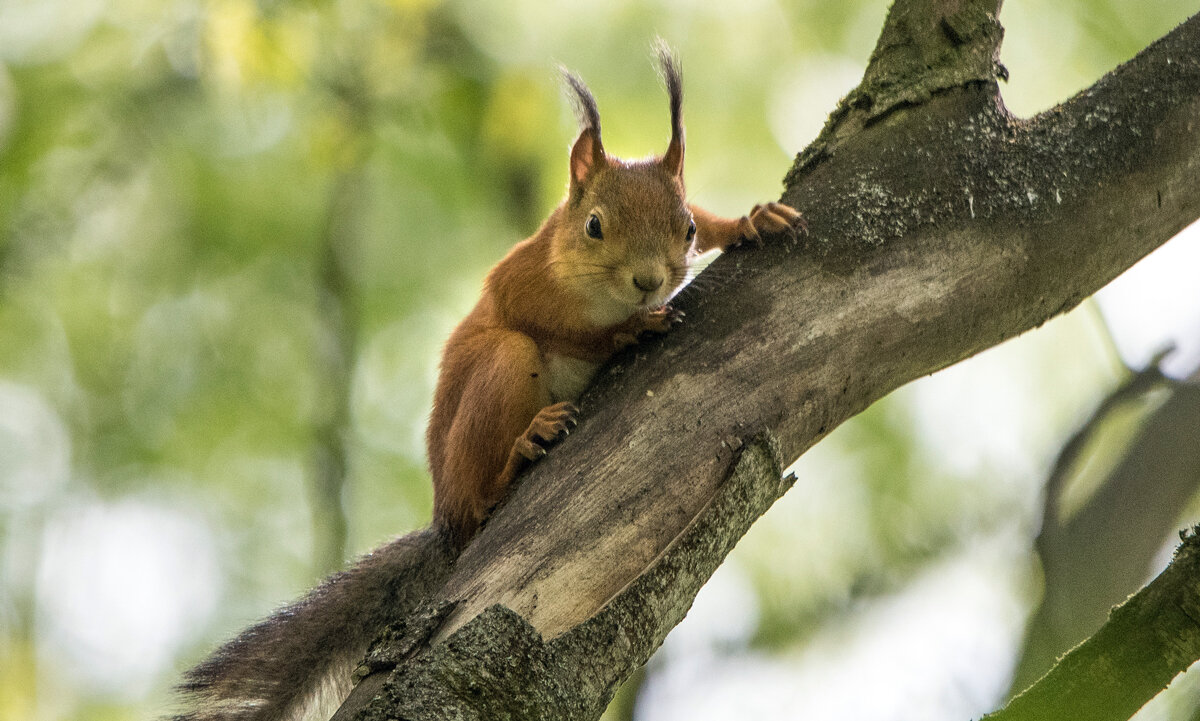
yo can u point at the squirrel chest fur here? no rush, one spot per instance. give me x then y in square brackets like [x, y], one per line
[567, 377]
[598, 273]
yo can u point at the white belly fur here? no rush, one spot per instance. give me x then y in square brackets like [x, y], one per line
[568, 376]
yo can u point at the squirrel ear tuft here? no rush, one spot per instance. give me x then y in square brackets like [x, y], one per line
[672, 160]
[587, 154]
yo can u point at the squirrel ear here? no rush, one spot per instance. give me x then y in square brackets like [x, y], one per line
[586, 157]
[587, 154]
[672, 160]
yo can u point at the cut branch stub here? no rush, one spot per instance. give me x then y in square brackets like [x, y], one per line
[926, 47]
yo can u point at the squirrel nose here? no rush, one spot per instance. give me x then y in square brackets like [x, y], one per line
[647, 283]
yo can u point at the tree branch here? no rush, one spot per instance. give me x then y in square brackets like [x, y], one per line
[926, 47]
[575, 674]
[1148, 640]
[1103, 552]
[1000, 221]
[939, 229]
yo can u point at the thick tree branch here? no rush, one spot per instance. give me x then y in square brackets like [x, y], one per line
[944, 231]
[499, 666]
[938, 229]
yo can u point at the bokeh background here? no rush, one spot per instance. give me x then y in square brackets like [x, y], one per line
[234, 234]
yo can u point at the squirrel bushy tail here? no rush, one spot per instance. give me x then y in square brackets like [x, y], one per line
[297, 663]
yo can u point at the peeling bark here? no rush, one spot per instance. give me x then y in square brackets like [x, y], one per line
[497, 665]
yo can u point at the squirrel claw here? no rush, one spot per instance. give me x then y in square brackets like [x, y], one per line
[661, 320]
[771, 219]
[777, 218]
[747, 231]
[550, 425]
[527, 449]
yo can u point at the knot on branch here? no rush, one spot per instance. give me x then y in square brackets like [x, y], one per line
[402, 639]
[925, 48]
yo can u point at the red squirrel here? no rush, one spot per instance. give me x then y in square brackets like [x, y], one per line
[594, 276]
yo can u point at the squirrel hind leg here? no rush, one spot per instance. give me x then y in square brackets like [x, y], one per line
[505, 391]
[549, 426]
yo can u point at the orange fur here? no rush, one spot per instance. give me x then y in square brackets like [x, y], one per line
[561, 303]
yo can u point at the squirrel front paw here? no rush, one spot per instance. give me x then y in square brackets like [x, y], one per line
[661, 320]
[770, 219]
[549, 426]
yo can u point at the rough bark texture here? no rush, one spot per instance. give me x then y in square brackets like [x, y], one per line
[499, 666]
[925, 47]
[939, 226]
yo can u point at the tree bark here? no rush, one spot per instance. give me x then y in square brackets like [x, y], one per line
[939, 226]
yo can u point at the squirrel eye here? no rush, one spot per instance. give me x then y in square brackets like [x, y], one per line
[593, 227]
[691, 230]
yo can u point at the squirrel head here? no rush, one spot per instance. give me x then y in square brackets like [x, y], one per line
[625, 233]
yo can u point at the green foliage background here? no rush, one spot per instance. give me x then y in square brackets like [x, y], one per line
[234, 234]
